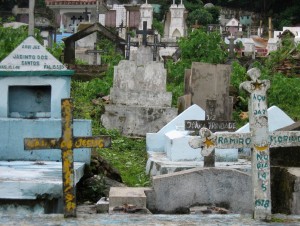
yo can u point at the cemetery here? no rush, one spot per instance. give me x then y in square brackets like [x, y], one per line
[188, 121]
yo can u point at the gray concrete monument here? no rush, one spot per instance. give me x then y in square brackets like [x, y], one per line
[139, 101]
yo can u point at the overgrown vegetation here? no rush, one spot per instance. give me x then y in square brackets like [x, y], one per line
[127, 155]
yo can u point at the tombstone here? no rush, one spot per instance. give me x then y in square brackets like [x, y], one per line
[273, 44]
[33, 83]
[139, 101]
[259, 140]
[208, 81]
[249, 47]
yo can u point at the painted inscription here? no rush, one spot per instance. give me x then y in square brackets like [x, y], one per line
[67, 143]
[193, 125]
[30, 55]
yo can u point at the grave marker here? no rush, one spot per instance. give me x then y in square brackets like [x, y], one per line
[212, 124]
[155, 45]
[97, 57]
[67, 142]
[144, 32]
[259, 139]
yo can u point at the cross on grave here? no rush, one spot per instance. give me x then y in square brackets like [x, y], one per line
[259, 140]
[231, 46]
[145, 32]
[30, 11]
[73, 18]
[97, 59]
[80, 18]
[155, 46]
[73, 27]
[67, 142]
[128, 43]
[86, 15]
[212, 124]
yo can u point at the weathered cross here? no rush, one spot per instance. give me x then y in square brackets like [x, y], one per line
[97, 58]
[86, 15]
[67, 142]
[212, 124]
[259, 139]
[155, 45]
[30, 11]
[128, 44]
[145, 32]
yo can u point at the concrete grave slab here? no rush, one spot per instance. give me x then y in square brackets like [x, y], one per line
[216, 186]
[31, 180]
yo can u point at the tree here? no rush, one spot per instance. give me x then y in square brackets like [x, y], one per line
[201, 46]
[10, 38]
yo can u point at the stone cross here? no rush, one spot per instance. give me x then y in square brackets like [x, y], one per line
[97, 59]
[67, 142]
[31, 18]
[212, 124]
[259, 140]
[145, 32]
[231, 46]
[29, 11]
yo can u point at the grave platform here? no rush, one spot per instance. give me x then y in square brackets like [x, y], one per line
[34, 180]
[158, 164]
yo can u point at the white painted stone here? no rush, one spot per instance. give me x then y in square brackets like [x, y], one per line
[276, 119]
[177, 147]
[175, 25]
[273, 44]
[156, 141]
[146, 12]
[30, 55]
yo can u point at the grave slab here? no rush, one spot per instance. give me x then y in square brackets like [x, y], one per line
[158, 164]
[119, 196]
[216, 186]
[23, 180]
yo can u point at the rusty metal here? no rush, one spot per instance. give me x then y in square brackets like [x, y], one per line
[67, 143]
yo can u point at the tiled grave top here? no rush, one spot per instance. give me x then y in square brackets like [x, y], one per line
[30, 58]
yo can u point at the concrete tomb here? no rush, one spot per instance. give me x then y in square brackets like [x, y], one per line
[139, 101]
[169, 149]
[32, 84]
[259, 139]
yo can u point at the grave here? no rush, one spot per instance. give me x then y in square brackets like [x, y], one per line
[169, 150]
[139, 102]
[259, 140]
[33, 83]
[208, 82]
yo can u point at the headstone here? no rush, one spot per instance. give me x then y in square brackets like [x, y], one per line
[33, 83]
[259, 139]
[139, 101]
[210, 81]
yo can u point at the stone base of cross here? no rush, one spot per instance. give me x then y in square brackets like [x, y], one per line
[259, 140]
[67, 142]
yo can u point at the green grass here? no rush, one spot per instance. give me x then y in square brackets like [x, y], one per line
[127, 155]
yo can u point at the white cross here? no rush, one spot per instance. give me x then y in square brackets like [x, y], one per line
[259, 139]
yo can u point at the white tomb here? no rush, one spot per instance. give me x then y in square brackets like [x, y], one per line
[172, 139]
